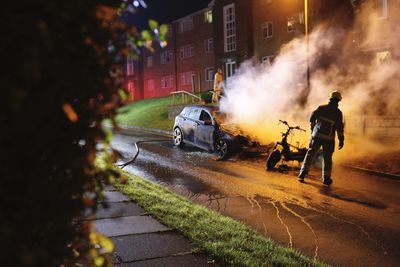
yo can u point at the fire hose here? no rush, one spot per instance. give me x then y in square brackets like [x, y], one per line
[138, 150]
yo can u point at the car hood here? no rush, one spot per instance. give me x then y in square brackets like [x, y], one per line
[235, 130]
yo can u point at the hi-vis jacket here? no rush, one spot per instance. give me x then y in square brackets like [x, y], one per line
[218, 82]
[325, 121]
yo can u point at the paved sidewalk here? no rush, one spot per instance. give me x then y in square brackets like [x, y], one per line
[139, 239]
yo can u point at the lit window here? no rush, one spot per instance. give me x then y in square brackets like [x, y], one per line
[130, 87]
[186, 51]
[208, 17]
[209, 74]
[267, 29]
[382, 57]
[149, 61]
[131, 90]
[129, 66]
[229, 28]
[150, 85]
[186, 24]
[208, 45]
[167, 81]
[381, 7]
[186, 77]
[167, 57]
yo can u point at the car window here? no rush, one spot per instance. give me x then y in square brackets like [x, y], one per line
[185, 112]
[194, 114]
[204, 116]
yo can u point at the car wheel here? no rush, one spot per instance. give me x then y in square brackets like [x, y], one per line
[223, 149]
[178, 137]
[273, 159]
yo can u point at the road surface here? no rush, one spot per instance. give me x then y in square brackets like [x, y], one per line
[355, 222]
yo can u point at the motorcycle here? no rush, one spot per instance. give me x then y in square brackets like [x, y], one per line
[288, 155]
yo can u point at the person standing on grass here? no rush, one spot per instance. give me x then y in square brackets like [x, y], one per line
[325, 121]
[218, 78]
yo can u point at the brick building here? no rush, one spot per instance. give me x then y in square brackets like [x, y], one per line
[186, 63]
[275, 23]
[228, 32]
[133, 79]
[232, 33]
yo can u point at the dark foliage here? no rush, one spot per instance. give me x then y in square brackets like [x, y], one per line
[57, 87]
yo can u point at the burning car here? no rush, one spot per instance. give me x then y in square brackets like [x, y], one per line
[205, 127]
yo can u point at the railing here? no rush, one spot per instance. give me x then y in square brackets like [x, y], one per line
[185, 98]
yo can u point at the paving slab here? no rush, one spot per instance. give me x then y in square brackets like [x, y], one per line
[128, 226]
[192, 260]
[115, 196]
[117, 209]
[148, 246]
[109, 187]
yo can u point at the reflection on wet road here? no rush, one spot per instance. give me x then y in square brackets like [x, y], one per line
[355, 222]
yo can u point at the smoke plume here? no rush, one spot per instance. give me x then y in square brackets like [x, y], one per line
[339, 59]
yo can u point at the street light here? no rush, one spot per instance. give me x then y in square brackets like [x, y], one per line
[307, 45]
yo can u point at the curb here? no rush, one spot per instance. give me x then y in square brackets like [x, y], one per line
[376, 173]
[140, 128]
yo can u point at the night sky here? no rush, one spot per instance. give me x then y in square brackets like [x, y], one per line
[165, 11]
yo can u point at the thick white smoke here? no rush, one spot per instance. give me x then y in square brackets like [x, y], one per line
[259, 95]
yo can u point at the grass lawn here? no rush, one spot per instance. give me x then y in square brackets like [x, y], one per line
[151, 113]
[228, 241]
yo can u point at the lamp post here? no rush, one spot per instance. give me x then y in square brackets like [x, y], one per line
[307, 45]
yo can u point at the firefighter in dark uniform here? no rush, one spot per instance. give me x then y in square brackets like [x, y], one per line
[325, 121]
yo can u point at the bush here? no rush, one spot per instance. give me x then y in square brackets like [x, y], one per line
[207, 97]
[57, 89]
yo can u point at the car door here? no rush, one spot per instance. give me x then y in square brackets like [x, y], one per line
[190, 124]
[204, 131]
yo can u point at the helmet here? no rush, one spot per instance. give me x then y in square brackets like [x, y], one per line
[335, 95]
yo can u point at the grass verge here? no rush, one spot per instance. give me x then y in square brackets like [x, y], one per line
[151, 113]
[227, 240]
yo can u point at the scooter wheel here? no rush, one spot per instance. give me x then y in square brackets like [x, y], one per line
[273, 159]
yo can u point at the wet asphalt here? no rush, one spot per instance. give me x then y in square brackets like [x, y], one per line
[354, 222]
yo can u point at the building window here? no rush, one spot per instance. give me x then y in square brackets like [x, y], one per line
[382, 56]
[209, 74]
[186, 24]
[167, 57]
[290, 24]
[229, 28]
[129, 66]
[208, 45]
[265, 2]
[208, 17]
[167, 81]
[267, 60]
[169, 32]
[150, 84]
[267, 29]
[130, 87]
[292, 21]
[186, 77]
[131, 90]
[230, 68]
[381, 7]
[149, 61]
[186, 51]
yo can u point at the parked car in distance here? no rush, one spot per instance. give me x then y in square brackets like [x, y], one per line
[202, 127]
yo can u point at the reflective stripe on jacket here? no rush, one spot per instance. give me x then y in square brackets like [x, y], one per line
[325, 121]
